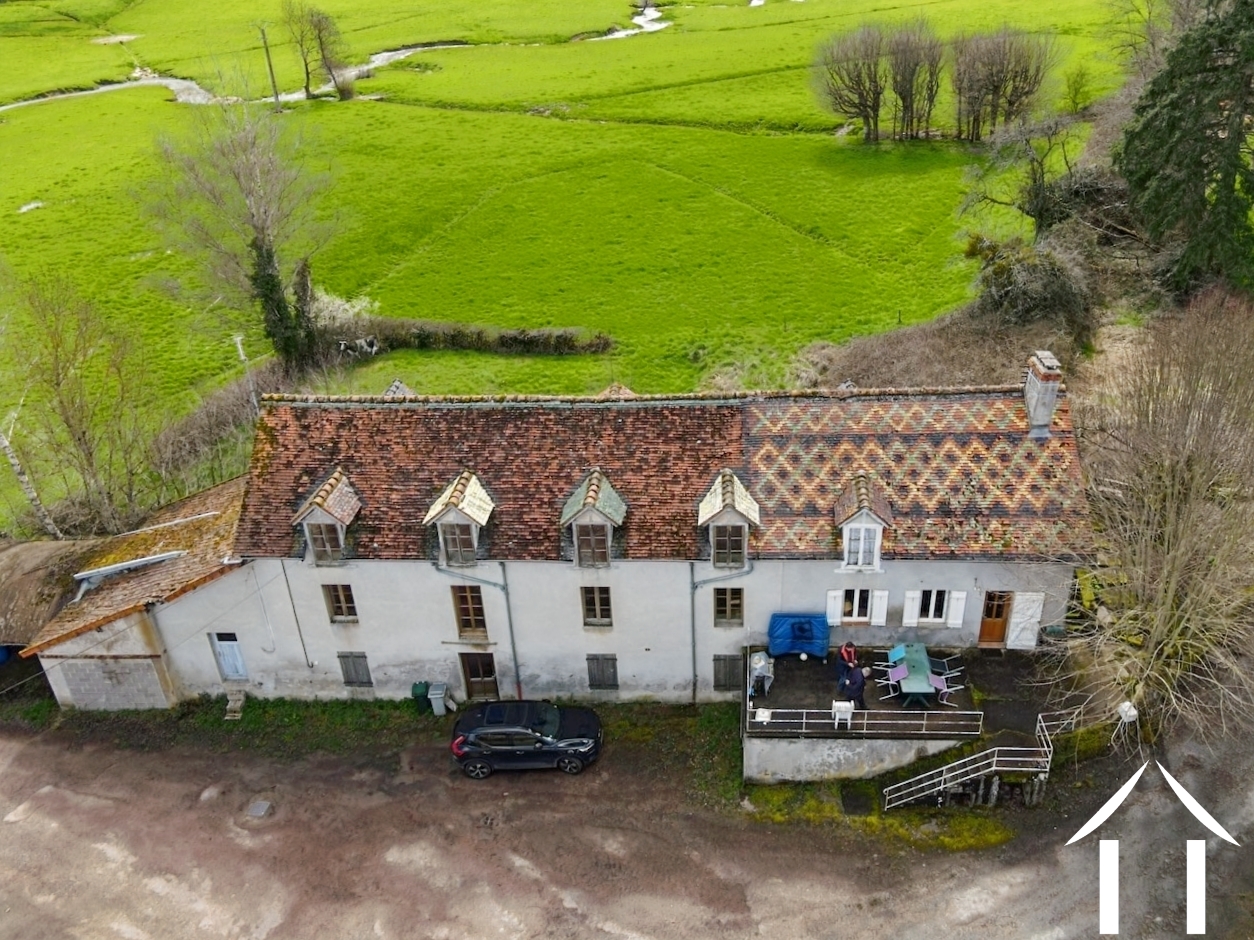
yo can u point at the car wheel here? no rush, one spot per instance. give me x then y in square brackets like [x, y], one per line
[570, 765]
[477, 769]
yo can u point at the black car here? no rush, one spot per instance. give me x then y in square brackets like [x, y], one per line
[525, 735]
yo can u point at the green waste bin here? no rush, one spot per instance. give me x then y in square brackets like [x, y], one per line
[420, 692]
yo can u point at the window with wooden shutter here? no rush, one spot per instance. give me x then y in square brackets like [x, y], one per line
[728, 673]
[355, 669]
[729, 607]
[729, 546]
[592, 546]
[340, 603]
[596, 607]
[468, 606]
[602, 671]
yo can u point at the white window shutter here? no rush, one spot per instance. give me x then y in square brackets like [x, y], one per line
[1025, 620]
[834, 606]
[957, 607]
[879, 608]
[910, 613]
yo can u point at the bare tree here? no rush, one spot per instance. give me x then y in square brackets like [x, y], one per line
[996, 77]
[852, 76]
[915, 56]
[300, 28]
[1028, 61]
[332, 52]
[969, 86]
[236, 196]
[1169, 456]
[83, 428]
[1145, 30]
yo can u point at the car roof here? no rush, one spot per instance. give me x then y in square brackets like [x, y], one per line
[502, 715]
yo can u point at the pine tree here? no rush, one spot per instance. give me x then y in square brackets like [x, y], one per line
[1187, 153]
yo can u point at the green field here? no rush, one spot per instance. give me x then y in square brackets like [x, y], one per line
[679, 190]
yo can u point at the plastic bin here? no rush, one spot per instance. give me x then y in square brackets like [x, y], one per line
[436, 697]
[420, 691]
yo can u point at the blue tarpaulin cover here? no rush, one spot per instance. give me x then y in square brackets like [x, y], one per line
[798, 633]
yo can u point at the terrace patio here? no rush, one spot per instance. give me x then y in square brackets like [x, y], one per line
[792, 733]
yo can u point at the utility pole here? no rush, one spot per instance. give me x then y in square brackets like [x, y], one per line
[278, 107]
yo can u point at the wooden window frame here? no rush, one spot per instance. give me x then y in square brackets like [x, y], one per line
[597, 610]
[353, 666]
[341, 605]
[729, 607]
[324, 552]
[728, 542]
[599, 677]
[458, 541]
[728, 672]
[592, 545]
[468, 611]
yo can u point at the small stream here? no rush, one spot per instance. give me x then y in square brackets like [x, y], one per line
[187, 91]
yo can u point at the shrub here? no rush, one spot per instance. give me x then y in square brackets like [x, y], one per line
[1020, 283]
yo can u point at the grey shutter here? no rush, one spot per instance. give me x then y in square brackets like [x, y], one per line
[355, 668]
[602, 671]
[727, 671]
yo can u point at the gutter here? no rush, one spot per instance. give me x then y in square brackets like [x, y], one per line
[295, 615]
[693, 584]
[503, 587]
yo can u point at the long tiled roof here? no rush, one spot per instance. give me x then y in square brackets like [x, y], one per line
[202, 527]
[960, 476]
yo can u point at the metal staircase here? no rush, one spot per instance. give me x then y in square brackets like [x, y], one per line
[997, 760]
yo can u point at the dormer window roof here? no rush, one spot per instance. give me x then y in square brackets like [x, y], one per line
[466, 495]
[595, 493]
[336, 498]
[863, 495]
[728, 493]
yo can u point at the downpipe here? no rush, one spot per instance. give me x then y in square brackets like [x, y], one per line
[693, 584]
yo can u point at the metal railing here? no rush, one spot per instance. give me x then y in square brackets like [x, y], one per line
[814, 723]
[1032, 760]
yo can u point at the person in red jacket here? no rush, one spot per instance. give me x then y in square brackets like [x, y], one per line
[846, 662]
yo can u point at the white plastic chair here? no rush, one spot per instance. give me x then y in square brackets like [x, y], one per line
[842, 713]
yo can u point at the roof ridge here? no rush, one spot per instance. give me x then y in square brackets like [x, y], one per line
[727, 397]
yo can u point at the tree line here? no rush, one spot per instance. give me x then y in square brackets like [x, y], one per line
[995, 77]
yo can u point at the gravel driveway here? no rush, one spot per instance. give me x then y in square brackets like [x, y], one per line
[98, 842]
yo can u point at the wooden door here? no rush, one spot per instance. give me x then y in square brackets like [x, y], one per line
[996, 613]
[230, 659]
[479, 670]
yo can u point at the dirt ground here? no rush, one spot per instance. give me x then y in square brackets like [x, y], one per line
[98, 842]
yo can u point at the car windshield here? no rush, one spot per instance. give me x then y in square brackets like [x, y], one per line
[547, 720]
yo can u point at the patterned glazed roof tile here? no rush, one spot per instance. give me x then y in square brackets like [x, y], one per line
[862, 493]
[336, 496]
[202, 527]
[467, 494]
[728, 493]
[955, 469]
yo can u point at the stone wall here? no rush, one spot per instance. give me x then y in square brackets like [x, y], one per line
[779, 760]
[113, 684]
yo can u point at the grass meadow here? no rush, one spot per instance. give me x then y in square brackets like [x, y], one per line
[679, 190]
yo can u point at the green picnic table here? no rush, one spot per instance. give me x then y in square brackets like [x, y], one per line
[916, 687]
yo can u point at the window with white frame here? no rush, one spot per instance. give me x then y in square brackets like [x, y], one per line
[592, 545]
[856, 605]
[729, 546]
[459, 543]
[932, 605]
[861, 544]
[327, 542]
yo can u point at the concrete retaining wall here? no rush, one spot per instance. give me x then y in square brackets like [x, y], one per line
[779, 760]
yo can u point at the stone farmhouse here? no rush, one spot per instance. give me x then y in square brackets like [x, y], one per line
[614, 548]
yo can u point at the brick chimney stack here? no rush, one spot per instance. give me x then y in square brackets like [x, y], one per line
[1040, 393]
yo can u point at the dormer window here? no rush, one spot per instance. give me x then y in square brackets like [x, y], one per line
[326, 516]
[457, 540]
[729, 511]
[729, 546]
[459, 515]
[861, 546]
[862, 514]
[326, 540]
[592, 512]
[592, 545]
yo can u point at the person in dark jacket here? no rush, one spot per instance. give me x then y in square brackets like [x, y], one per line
[855, 686]
[846, 662]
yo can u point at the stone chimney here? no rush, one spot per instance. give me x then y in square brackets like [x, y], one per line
[1040, 393]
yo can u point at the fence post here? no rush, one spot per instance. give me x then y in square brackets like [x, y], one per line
[993, 787]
